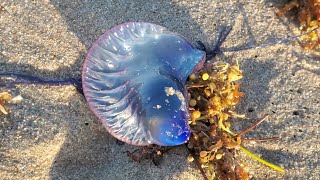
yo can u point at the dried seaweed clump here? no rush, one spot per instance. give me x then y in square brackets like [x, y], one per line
[214, 94]
[309, 19]
[4, 98]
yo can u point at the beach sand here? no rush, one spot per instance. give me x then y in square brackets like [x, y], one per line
[52, 134]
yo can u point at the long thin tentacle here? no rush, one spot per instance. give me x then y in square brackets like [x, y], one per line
[22, 79]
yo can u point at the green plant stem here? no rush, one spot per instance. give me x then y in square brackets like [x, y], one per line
[273, 166]
[221, 126]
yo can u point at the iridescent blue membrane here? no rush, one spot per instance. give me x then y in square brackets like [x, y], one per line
[133, 79]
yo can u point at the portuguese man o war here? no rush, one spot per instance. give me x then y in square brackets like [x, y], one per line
[134, 78]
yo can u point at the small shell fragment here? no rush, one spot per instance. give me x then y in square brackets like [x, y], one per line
[16, 100]
[190, 158]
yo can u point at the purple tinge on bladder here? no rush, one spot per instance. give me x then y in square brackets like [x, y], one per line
[133, 79]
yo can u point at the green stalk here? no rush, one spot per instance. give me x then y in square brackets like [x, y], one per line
[257, 158]
[273, 166]
[221, 126]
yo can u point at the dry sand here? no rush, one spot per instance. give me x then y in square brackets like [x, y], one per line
[52, 134]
